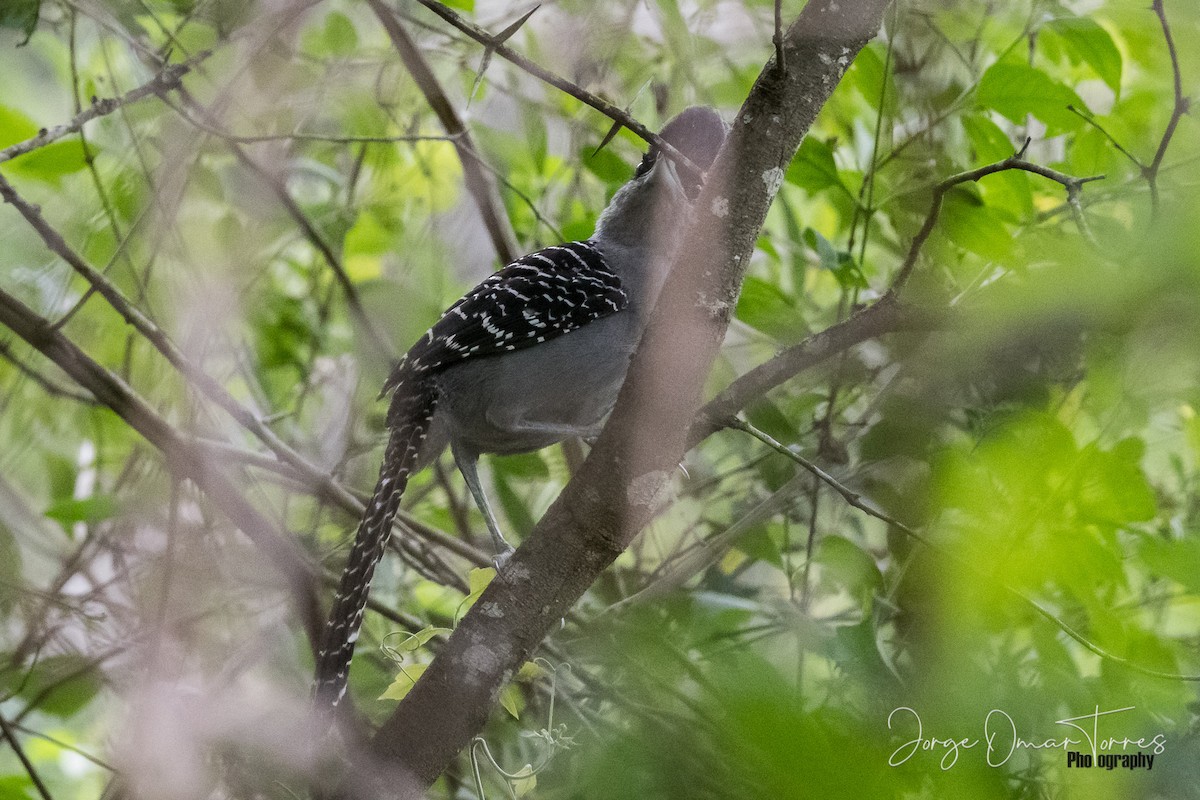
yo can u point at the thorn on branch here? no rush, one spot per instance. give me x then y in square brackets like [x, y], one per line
[777, 39]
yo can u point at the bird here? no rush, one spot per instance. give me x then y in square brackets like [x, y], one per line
[535, 354]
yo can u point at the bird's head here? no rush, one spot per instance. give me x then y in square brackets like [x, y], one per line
[661, 189]
[698, 133]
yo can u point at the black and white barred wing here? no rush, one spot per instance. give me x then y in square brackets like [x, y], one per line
[535, 298]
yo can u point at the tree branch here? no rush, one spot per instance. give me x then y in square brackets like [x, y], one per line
[627, 476]
[496, 45]
[318, 480]
[30, 770]
[184, 458]
[1072, 184]
[481, 189]
[162, 83]
[1179, 108]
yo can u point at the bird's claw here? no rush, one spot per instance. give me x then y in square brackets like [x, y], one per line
[502, 558]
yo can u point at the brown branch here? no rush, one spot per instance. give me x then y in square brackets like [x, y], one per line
[888, 315]
[1180, 107]
[162, 83]
[623, 481]
[184, 458]
[496, 45]
[1072, 184]
[30, 770]
[480, 187]
[319, 481]
[49, 386]
[280, 190]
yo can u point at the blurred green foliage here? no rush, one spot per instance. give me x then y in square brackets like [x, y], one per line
[1043, 441]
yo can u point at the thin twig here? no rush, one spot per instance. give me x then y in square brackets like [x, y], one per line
[99, 762]
[41, 380]
[482, 190]
[160, 84]
[856, 500]
[777, 38]
[887, 315]
[1180, 107]
[562, 84]
[25, 762]
[1090, 120]
[1016, 161]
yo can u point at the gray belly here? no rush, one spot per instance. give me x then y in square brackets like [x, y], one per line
[529, 399]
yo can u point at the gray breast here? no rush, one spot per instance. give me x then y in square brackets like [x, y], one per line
[529, 399]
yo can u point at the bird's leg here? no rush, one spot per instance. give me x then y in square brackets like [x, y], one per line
[468, 465]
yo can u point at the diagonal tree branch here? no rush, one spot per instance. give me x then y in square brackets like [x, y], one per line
[185, 458]
[495, 44]
[627, 475]
[478, 182]
[161, 83]
[318, 480]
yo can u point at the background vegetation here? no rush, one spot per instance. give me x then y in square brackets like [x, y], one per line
[252, 208]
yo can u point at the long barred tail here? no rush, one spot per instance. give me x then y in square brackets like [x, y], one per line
[409, 417]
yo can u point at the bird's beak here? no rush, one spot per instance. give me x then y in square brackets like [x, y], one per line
[683, 190]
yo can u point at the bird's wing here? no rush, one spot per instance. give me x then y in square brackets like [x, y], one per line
[535, 298]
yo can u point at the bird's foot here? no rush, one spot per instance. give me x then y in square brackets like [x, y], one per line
[502, 558]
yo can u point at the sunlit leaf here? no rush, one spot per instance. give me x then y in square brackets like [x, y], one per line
[512, 700]
[405, 680]
[87, 509]
[1090, 43]
[1018, 91]
[813, 167]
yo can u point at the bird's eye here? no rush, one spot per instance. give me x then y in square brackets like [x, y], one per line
[647, 163]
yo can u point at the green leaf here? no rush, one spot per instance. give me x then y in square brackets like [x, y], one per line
[405, 680]
[971, 225]
[15, 127]
[50, 162]
[1177, 559]
[605, 165]
[16, 787]
[512, 700]
[87, 509]
[47, 163]
[826, 252]
[1008, 191]
[479, 578]
[64, 684]
[848, 565]
[764, 307]
[341, 38]
[839, 262]
[1017, 90]
[524, 781]
[813, 168]
[462, 5]
[1091, 44]
[20, 15]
